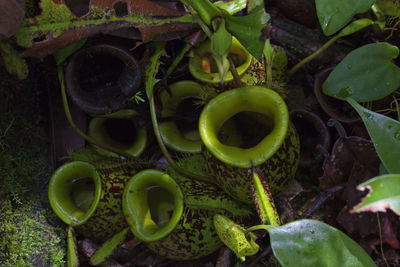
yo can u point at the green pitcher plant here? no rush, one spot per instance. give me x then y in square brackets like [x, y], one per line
[88, 197]
[121, 130]
[179, 129]
[174, 215]
[267, 140]
[203, 68]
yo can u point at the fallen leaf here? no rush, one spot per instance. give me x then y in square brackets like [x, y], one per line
[61, 23]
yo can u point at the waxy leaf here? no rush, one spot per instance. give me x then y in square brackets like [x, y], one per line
[221, 39]
[385, 134]
[365, 74]
[334, 15]
[231, 6]
[62, 54]
[384, 193]
[263, 200]
[312, 243]
[249, 30]
[355, 26]
[72, 251]
[108, 247]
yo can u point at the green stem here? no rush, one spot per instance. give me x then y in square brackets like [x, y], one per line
[176, 61]
[73, 125]
[164, 149]
[258, 227]
[236, 78]
[294, 69]
[378, 12]
[397, 108]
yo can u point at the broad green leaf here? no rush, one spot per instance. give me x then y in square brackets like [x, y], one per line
[384, 193]
[204, 8]
[249, 29]
[385, 134]
[231, 6]
[62, 54]
[108, 247]
[365, 74]
[314, 244]
[72, 251]
[334, 15]
[221, 39]
[355, 26]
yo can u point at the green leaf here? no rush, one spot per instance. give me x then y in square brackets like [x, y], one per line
[385, 134]
[312, 243]
[263, 199]
[249, 29]
[221, 39]
[72, 253]
[334, 15]
[384, 193]
[108, 247]
[355, 26]
[231, 6]
[62, 54]
[365, 74]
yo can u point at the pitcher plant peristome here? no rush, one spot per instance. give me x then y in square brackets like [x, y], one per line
[276, 154]
[88, 197]
[176, 218]
[182, 139]
[121, 130]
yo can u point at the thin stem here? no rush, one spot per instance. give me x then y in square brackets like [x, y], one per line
[73, 125]
[269, 74]
[164, 149]
[258, 227]
[295, 68]
[378, 12]
[380, 239]
[397, 108]
[176, 61]
[236, 78]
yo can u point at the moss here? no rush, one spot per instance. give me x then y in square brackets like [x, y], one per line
[28, 235]
[56, 19]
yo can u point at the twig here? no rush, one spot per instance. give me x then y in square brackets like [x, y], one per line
[380, 239]
[325, 195]
[236, 78]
